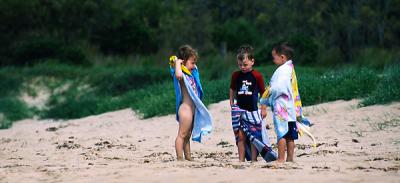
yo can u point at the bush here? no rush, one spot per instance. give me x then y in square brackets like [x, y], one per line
[388, 89]
[154, 100]
[329, 57]
[82, 91]
[305, 49]
[376, 58]
[12, 109]
[74, 54]
[36, 49]
[216, 67]
[4, 122]
[346, 84]
[262, 54]
[33, 49]
[10, 82]
[117, 81]
[76, 103]
[216, 90]
[236, 32]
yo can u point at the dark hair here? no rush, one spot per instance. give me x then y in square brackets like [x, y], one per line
[284, 49]
[185, 52]
[245, 51]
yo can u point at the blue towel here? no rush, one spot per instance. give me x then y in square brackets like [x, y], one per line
[202, 123]
[254, 127]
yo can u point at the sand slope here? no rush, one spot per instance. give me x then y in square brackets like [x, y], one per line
[354, 145]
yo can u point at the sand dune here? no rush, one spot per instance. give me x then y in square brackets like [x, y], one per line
[354, 145]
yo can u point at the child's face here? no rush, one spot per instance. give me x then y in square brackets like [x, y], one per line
[278, 59]
[246, 65]
[191, 63]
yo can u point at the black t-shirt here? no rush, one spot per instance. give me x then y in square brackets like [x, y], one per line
[247, 86]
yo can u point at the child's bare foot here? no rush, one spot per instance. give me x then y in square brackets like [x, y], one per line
[280, 161]
[179, 158]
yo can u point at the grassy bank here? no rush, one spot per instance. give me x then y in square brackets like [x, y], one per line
[69, 92]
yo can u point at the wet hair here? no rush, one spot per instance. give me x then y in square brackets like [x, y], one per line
[185, 52]
[284, 49]
[245, 51]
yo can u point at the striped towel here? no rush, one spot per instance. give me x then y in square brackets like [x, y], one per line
[252, 125]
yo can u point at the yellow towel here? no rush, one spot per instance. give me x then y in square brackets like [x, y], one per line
[172, 60]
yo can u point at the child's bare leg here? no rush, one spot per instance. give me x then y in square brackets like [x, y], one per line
[179, 148]
[185, 125]
[241, 145]
[281, 150]
[290, 149]
[254, 153]
[186, 147]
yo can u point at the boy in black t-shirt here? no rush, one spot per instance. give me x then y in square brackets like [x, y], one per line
[246, 86]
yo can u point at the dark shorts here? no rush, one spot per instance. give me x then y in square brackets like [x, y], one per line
[292, 131]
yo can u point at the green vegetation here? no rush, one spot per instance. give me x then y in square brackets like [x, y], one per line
[93, 56]
[81, 91]
[388, 88]
[76, 32]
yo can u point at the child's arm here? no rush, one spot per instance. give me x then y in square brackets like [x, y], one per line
[232, 89]
[263, 110]
[231, 96]
[178, 70]
[261, 87]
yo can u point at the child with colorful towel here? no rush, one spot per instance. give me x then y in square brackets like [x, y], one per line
[283, 97]
[193, 117]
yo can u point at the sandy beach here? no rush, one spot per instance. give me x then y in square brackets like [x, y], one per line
[353, 145]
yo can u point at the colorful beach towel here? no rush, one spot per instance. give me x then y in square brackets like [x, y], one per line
[253, 126]
[202, 123]
[303, 124]
[283, 96]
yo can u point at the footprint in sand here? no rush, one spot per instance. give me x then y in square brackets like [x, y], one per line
[321, 168]
[68, 145]
[53, 128]
[224, 144]
[104, 144]
[216, 156]
[371, 168]
[321, 152]
[108, 145]
[280, 166]
[158, 157]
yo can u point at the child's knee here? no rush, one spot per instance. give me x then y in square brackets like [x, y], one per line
[241, 137]
[184, 135]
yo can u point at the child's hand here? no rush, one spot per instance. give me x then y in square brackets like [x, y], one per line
[178, 61]
[263, 114]
[263, 111]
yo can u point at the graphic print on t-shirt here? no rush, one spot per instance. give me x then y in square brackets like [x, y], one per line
[244, 89]
[247, 86]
